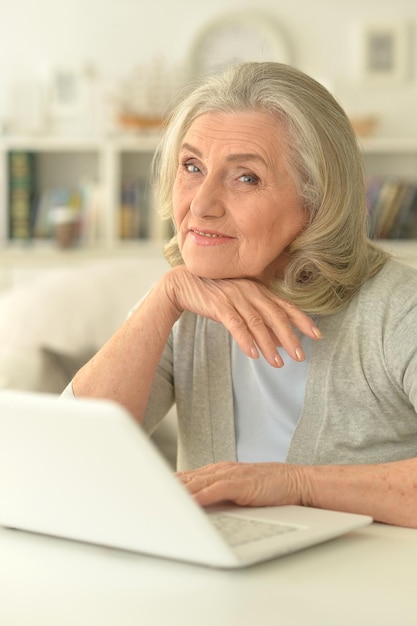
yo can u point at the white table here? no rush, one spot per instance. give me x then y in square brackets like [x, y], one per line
[366, 578]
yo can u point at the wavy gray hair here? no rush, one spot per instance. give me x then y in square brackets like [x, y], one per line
[332, 257]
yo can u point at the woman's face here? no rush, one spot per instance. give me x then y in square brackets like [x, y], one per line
[235, 204]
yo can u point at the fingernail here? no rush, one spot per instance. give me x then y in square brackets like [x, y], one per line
[278, 361]
[299, 354]
[254, 353]
[316, 332]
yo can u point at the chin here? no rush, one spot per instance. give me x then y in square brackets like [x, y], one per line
[206, 273]
[205, 269]
[216, 271]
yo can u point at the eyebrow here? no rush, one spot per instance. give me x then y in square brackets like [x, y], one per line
[239, 156]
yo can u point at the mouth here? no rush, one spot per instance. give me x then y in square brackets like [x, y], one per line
[206, 234]
[207, 238]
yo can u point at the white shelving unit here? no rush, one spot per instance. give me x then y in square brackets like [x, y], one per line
[390, 156]
[64, 160]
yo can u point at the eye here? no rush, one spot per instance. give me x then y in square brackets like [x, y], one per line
[190, 167]
[249, 179]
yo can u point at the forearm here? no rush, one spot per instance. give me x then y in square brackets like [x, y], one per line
[123, 370]
[386, 491]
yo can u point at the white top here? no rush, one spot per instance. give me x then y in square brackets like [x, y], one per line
[267, 403]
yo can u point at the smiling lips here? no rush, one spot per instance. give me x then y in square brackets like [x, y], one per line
[205, 234]
[206, 237]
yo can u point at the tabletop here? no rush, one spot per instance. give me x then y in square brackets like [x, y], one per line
[366, 577]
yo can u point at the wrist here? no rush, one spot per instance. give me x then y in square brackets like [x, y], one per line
[165, 293]
[305, 484]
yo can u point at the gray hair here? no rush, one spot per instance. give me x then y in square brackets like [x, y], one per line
[332, 257]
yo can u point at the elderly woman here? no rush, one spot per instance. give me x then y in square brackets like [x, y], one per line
[260, 172]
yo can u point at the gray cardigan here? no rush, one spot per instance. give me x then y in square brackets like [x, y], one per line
[361, 391]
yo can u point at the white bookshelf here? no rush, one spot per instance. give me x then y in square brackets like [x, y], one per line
[391, 157]
[389, 145]
[64, 159]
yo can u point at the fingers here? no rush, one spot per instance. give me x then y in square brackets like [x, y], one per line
[260, 321]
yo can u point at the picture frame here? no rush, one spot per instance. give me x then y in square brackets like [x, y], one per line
[385, 58]
[65, 92]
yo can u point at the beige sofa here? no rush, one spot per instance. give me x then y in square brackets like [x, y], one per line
[51, 325]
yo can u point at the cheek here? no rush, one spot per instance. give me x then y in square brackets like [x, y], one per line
[177, 204]
[301, 220]
[285, 227]
[175, 193]
[294, 219]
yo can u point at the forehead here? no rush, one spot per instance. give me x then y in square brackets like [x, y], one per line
[258, 129]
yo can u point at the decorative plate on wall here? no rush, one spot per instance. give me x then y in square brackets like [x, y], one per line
[237, 37]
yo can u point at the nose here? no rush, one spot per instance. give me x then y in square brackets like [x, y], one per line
[208, 199]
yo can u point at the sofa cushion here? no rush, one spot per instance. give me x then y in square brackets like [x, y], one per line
[52, 325]
[38, 369]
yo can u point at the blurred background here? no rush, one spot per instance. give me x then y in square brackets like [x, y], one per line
[101, 45]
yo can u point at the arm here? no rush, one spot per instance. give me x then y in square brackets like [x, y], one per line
[386, 491]
[123, 370]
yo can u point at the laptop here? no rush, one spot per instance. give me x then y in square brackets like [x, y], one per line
[84, 470]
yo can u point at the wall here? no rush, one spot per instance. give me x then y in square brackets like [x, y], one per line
[114, 36]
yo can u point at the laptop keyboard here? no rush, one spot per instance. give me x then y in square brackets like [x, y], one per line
[238, 530]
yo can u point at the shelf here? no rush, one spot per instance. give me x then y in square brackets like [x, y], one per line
[390, 157]
[47, 252]
[52, 144]
[148, 142]
[71, 162]
[388, 145]
[145, 142]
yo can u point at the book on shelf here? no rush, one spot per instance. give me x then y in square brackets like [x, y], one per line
[92, 211]
[49, 200]
[33, 213]
[21, 194]
[392, 208]
[83, 205]
[135, 210]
